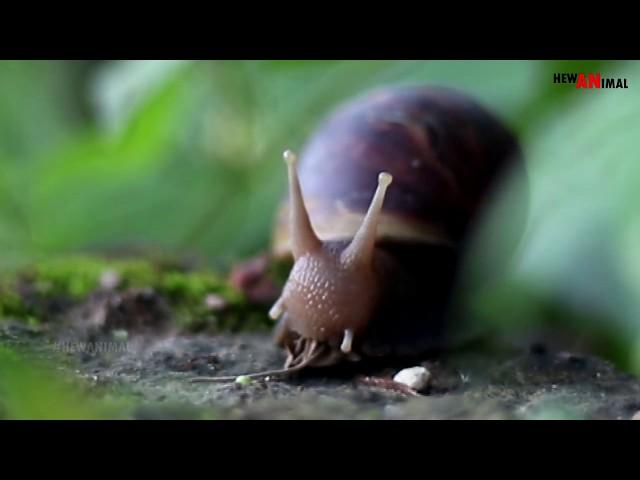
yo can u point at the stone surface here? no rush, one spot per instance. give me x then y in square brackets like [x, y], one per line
[510, 383]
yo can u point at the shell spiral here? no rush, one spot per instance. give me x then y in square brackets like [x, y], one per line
[444, 150]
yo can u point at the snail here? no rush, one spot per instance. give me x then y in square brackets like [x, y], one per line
[380, 209]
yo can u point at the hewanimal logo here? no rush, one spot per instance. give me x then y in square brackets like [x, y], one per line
[590, 80]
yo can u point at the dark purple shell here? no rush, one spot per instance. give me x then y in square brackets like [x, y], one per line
[446, 152]
[443, 149]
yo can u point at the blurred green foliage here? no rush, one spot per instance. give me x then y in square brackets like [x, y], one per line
[183, 158]
[33, 391]
[577, 267]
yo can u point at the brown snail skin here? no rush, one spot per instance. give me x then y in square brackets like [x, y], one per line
[331, 293]
[380, 209]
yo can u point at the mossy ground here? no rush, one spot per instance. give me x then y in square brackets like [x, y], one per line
[46, 291]
[50, 367]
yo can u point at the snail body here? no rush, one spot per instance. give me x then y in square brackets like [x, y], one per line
[375, 264]
[378, 217]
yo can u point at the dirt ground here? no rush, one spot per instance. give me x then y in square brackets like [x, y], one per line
[522, 382]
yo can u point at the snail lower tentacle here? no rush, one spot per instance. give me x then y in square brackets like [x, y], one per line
[311, 352]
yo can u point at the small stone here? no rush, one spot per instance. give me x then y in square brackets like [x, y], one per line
[120, 335]
[109, 279]
[636, 416]
[214, 302]
[243, 380]
[416, 378]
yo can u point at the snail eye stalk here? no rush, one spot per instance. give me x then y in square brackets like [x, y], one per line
[303, 239]
[360, 250]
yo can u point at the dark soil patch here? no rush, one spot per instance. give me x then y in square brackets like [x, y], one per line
[516, 383]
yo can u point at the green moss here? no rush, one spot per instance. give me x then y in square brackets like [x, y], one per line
[48, 288]
[11, 305]
[243, 380]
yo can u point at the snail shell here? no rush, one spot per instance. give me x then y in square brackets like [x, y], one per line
[446, 153]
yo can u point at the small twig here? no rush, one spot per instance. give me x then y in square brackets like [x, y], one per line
[311, 353]
[388, 384]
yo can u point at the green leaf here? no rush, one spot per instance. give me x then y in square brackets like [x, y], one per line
[579, 250]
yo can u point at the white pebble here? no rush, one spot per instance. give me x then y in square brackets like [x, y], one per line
[416, 378]
[214, 302]
[243, 380]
